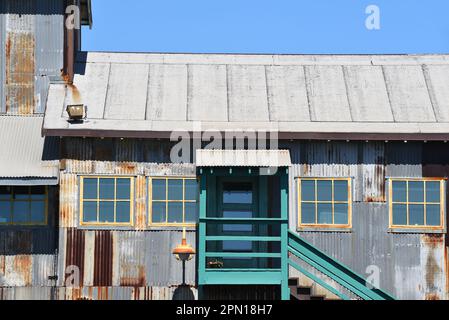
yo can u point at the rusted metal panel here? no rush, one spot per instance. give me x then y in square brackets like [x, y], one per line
[20, 69]
[68, 204]
[103, 255]
[141, 207]
[373, 167]
[74, 252]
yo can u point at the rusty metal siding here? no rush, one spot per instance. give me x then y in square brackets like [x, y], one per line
[32, 43]
[113, 258]
[97, 293]
[2, 59]
[403, 159]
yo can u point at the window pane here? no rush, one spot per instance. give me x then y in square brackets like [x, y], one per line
[90, 188]
[89, 211]
[433, 191]
[399, 191]
[238, 227]
[37, 193]
[158, 214]
[416, 191]
[21, 211]
[107, 187]
[106, 213]
[416, 212]
[237, 246]
[341, 190]
[191, 189]
[324, 213]
[191, 209]
[5, 193]
[175, 212]
[433, 215]
[38, 211]
[308, 213]
[175, 189]
[399, 214]
[21, 193]
[159, 189]
[5, 212]
[238, 193]
[341, 213]
[324, 190]
[123, 214]
[308, 190]
[123, 189]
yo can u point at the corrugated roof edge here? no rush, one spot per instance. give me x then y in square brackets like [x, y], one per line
[261, 59]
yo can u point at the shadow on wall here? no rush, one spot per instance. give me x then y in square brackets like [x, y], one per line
[183, 292]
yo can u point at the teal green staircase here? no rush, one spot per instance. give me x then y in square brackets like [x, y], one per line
[331, 268]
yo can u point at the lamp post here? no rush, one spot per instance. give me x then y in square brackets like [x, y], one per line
[184, 252]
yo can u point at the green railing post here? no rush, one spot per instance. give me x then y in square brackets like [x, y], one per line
[285, 290]
[202, 233]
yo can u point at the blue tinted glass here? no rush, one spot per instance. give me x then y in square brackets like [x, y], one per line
[238, 227]
[341, 190]
[416, 191]
[433, 191]
[123, 214]
[308, 213]
[5, 212]
[399, 214]
[38, 211]
[341, 213]
[416, 214]
[21, 211]
[123, 189]
[238, 193]
[308, 190]
[158, 212]
[324, 213]
[89, 211]
[237, 246]
[159, 189]
[191, 189]
[399, 191]
[175, 212]
[106, 213]
[324, 190]
[107, 189]
[191, 209]
[433, 215]
[90, 188]
[175, 189]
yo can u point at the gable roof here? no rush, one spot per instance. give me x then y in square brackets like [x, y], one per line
[301, 96]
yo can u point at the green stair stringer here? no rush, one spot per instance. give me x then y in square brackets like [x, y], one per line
[333, 269]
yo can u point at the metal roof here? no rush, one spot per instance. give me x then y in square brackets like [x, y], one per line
[300, 96]
[25, 156]
[243, 158]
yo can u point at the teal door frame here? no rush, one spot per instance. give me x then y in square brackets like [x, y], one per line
[208, 216]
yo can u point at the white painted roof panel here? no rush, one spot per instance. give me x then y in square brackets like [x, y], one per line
[136, 94]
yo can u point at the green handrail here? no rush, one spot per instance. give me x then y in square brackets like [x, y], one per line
[334, 269]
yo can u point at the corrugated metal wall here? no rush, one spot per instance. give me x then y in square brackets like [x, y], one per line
[138, 256]
[411, 265]
[32, 42]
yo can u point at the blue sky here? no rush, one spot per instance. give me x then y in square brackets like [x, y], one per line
[268, 26]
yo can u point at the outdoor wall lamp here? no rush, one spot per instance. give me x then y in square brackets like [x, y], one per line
[184, 252]
[76, 112]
